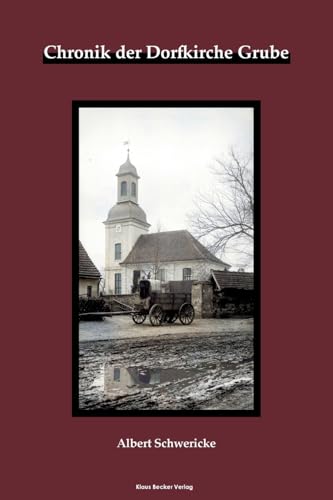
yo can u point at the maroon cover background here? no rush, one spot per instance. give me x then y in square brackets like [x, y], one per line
[48, 453]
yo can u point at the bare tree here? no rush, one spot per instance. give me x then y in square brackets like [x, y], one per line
[159, 227]
[224, 218]
[153, 270]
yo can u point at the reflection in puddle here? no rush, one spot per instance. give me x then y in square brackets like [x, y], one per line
[116, 381]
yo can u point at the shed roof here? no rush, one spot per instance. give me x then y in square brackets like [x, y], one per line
[169, 246]
[231, 279]
[87, 268]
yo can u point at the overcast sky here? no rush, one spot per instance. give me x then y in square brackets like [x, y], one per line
[172, 150]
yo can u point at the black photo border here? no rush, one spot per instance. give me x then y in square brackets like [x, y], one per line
[76, 105]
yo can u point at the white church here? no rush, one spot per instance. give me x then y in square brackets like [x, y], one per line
[131, 252]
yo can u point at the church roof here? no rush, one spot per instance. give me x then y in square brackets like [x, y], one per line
[128, 168]
[87, 268]
[169, 246]
[231, 279]
[126, 210]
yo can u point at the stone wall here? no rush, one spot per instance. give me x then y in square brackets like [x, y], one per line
[202, 299]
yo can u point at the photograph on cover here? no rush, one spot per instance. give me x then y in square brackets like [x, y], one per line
[165, 286]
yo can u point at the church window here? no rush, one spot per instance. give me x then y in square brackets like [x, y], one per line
[89, 291]
[116, 374]
[117, 283]
[123, 188]
[117, 251]
[187, 273]
[133, 189]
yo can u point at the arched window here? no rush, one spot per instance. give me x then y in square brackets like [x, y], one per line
[133, 189]
[123, 188]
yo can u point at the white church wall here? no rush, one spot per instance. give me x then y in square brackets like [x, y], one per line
[200, 270]
[125, 233]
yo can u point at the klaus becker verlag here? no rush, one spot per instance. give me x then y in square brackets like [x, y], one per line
[166, 443]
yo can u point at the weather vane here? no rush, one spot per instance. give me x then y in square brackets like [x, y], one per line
[127, 143]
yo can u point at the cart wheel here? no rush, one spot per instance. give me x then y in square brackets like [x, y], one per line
[172, 318]
[138, 318]
[186, 313]
[156, 315]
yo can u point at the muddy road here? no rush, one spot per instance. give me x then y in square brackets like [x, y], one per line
[201, 371]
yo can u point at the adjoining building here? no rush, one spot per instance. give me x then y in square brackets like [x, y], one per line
[132, 253]
[89, 276]
[233, 292]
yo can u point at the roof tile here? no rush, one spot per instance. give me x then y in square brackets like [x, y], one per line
[231, 279]
[168, 246]
[87, 268]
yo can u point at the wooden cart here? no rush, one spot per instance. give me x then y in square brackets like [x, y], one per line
[164, 308]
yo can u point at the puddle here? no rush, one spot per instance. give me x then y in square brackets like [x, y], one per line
[116, 381]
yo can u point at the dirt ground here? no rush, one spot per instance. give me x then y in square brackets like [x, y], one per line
[207, 365]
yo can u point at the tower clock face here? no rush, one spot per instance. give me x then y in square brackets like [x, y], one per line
[118, 228]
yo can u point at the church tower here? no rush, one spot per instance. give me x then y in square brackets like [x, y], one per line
[126, 221]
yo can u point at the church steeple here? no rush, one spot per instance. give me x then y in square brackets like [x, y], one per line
[127, 206]
[125, 222]
[127, 182]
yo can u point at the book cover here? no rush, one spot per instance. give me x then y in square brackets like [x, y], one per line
[98, 100]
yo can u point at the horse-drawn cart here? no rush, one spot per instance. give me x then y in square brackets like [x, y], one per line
[162, 307]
